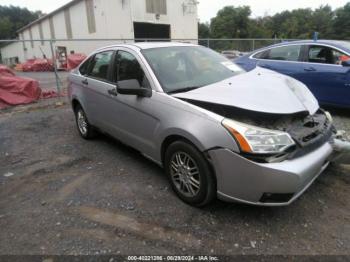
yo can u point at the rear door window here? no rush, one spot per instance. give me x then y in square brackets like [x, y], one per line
[283, 53]
[100, 65]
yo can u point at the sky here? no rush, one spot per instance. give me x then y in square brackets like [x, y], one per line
[207, 8]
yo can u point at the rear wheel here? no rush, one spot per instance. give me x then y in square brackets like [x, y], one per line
[189, 174]
[85, 129]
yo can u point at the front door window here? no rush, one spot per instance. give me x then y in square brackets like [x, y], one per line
[129, 68]
[326, 55]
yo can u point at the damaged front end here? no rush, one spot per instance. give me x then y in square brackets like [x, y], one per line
[308, 132]
[341, 151]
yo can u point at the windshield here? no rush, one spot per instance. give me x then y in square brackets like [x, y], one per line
[189, 67]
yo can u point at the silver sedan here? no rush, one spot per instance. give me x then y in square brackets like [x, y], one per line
[258, 138]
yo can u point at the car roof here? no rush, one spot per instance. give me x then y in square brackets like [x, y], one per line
[344, 45]
[147, 45]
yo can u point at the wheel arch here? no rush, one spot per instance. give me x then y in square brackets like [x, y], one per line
[171, 138]
[75, 102]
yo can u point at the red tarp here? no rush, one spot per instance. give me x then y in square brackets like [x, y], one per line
[37, 65]
[49, 94]
[74, 60]
[344, 58]
[16, 90]
[42, 65]
[28, 65]
[4, 70]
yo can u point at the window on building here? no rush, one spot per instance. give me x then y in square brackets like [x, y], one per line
[68, 24]
[100, 65]
[90, 14]
[129, 68]
[156, 7]
[13, 61]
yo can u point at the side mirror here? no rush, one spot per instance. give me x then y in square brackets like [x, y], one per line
[346, 63]
[132, 87]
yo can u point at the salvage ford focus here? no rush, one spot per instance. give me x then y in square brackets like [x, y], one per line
[258, 137]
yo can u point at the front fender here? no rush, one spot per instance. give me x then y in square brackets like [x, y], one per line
[202, 133]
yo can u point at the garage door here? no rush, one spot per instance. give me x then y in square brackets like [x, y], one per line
[151, 31]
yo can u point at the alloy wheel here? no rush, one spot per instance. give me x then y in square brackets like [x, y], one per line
[82, 122]
[185, 174]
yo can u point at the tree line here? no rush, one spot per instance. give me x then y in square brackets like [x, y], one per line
[13, 18]
[232, 22]
[236, 22]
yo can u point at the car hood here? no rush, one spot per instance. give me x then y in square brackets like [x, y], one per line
[259, 90]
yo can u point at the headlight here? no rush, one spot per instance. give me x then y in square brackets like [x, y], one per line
[257, 140]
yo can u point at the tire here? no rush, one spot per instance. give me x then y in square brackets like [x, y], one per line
[85, 130]
[190, 174]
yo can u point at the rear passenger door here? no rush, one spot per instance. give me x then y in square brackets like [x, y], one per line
[283, 59]
[325, 76]
[96, 83]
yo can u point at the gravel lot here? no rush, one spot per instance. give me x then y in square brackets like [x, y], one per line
[62, 195]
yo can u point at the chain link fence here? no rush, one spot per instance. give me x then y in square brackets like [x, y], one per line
[16, 53]
[241, 45]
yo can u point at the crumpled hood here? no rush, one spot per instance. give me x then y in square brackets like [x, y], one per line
[259, 90]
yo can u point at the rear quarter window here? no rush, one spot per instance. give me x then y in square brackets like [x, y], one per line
[83, 69]
[261, 55]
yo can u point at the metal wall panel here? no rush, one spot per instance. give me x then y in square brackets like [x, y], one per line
[68, 24]
[90, 14]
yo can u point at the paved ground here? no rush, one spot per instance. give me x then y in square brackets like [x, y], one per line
[62, 195]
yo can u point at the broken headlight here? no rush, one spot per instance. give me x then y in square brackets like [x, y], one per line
[258, 140]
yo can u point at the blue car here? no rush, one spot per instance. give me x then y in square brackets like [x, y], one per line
[323, 66]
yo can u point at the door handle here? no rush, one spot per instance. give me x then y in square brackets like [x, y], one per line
[85, 82]
[310, 69]
[113, 92]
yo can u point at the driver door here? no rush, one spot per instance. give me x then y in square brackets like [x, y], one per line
[132, 118]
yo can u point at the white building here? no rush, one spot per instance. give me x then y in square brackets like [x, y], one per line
[103, 19]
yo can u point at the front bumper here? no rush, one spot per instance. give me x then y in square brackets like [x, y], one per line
[341, 154]
[239, 179]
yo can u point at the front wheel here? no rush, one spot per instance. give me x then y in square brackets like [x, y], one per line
[190, 174]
